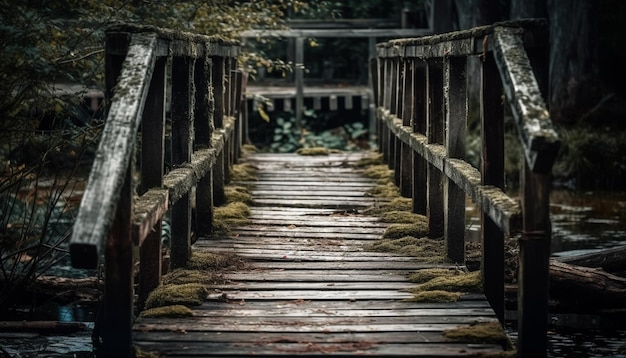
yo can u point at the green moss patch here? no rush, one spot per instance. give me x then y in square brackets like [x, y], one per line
[403, 217]
[396, 231]
[375, 159]
[425, 249]
[386, 190]
[182, 276]
[313, 151]
[143, 354]
[466, 282]
[426, 275]
[189, 294]
[479, 333]
[210, 261]
[175, 311]
[396, 204]
[435, 296]
[379, 172]
[243, 172]
[232, 214]
[238, 193]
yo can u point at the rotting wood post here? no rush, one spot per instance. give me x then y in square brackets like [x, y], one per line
[420, 98]
[385, 133]
[406, 153]
[373, 124]
[492, 173]
[435, 134]
[218, 119]
[203, 128]
[117, 317]
[182, 124]
[397, 150]
[153, 156]
[534, 256]
[393, 110]
[455, 99]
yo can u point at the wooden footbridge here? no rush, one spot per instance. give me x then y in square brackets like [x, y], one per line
[311, 286]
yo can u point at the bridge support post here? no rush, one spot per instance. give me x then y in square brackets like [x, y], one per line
[420, 108]
[435, 134]
[492, 173]
[455, 98]
[534, 256]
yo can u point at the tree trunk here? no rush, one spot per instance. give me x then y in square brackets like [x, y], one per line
[611, 260]
[574, 68]
[585, 289]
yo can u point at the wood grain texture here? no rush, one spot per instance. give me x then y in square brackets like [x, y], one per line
[312, 287]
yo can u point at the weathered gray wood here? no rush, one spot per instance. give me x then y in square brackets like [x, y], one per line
[534, 126]
[534, 255]
[492, 173]
[183, 98]
[455, 101]
[420, 94]
[309, 276]
[99, 202]
[405, 171]
[435, 132]
[460, 43]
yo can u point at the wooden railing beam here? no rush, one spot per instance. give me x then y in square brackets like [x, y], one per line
[101, 198]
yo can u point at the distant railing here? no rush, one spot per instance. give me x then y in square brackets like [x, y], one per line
[422, 102]
[148, 70]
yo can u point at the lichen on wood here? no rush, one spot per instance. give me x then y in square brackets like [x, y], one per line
[479, 333]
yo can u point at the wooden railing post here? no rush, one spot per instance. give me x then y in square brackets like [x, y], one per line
[218, 118]
[388, 85]
[393, 110]
[152, 158]
[455, 98]
[182, 123]
[405, 170]
[203, 128]
[420, 96]
[492, 173]
[435, 133]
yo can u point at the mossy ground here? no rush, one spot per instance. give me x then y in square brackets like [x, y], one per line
[480, 333]
[174, 311]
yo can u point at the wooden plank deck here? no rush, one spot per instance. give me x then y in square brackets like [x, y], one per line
[313, 290]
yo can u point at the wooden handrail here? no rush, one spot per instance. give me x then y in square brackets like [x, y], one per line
[124, 202]
[422, 100]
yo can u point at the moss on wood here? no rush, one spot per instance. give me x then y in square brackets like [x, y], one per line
[436, 296]
[403, 217]
[396, 204]
[375, 159]
[467, 282]
[237, 193]
[313, 151]
[243, 172]
[381, 171]
[182, 276]
[425, 275]
[425, 249]
[189, 294]
[479, 333]
[396, 231]
[210, 261]
[174, 311]
[384, 190]
[143, 354]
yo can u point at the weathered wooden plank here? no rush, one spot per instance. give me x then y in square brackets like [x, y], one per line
[289, 228]
[294, 234]
[328, 203]
[467, 301]
[106, 178]
[328, 285]
[344, 348]
[534, 127]
[238, 310]
[360, 265]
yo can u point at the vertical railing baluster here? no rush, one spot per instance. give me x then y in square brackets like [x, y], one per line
[114, 320]
[435, 133]
[182, 123]
[393, 110]
[534, 264]
[420, 96]
[492, 173]
[388, 63]
[218, 118]
[152, 157]
[406, 153]
[456, 123]
[203, 128]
